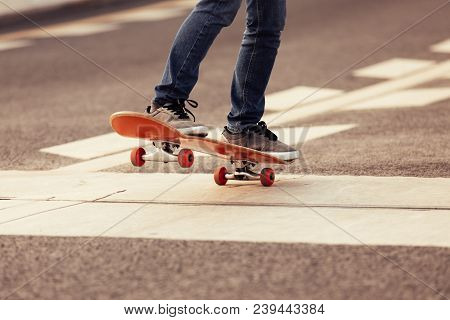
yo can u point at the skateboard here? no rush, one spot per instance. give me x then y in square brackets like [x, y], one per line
[173, 146]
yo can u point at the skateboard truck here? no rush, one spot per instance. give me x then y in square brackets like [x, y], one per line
[243, 171]
[162, 152]
[169, 152]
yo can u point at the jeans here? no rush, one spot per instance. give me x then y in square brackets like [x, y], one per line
[265, 21]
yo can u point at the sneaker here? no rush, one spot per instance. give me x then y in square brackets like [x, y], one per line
[259, 137]
[175, 114]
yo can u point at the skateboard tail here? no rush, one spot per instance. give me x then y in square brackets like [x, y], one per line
[137, 125]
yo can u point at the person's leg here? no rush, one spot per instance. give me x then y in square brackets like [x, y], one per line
[265, 21]
[191, 44]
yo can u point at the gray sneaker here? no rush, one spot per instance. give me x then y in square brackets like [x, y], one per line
[260, 138]
[175, 114]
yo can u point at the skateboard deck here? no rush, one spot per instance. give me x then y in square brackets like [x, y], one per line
[172, 144]
[138, 125]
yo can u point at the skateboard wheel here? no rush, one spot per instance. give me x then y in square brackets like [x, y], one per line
[186, 158]
[136, 157]
[267, 177]
[219, 176]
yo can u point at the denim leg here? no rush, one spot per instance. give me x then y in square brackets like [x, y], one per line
[191, 44]
[265, 21]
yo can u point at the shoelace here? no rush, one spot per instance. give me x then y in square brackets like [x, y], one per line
[178, 107]
[261, 129]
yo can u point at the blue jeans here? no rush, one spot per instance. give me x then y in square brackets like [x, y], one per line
[265, 21]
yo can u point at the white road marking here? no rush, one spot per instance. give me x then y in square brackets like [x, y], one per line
[149, 15]
[76, 30]
[7, 45]
[371, 92]
[293, 136]
[106, 22]
[283, 100]
[271, 215]
[393, 68]
[100, 151]
[98, 164]
[441, 47]
[93, 147]
[406, 98]
[24, 6]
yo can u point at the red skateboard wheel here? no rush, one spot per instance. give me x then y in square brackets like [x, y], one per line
[186, 158]
[267, 177]
[136, 157]
[219, 176]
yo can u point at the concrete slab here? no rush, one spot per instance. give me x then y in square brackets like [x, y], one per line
[313, 209]
[200, 189]
[32, 208]
[89, 219]
[7, 203]
[255, 224]
[77, 186]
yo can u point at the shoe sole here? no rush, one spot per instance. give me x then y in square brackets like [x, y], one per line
[286, 156]
[200, 131]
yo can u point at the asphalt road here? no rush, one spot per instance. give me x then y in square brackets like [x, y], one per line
[51, 95]
[156, 269]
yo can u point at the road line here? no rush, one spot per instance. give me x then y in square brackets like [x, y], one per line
[8, 45]
[100, 151]
[374, 91]
[97, 164]
[283, 100]
[393, 68]
[93, 147]
[76, 30]
[294, 135]
[106, 22]
[441, 47]
[149, 15]
[406, 98]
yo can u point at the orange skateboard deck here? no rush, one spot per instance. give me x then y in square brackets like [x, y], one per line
[138, 125]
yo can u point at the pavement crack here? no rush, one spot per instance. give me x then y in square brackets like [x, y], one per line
[108, 195]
